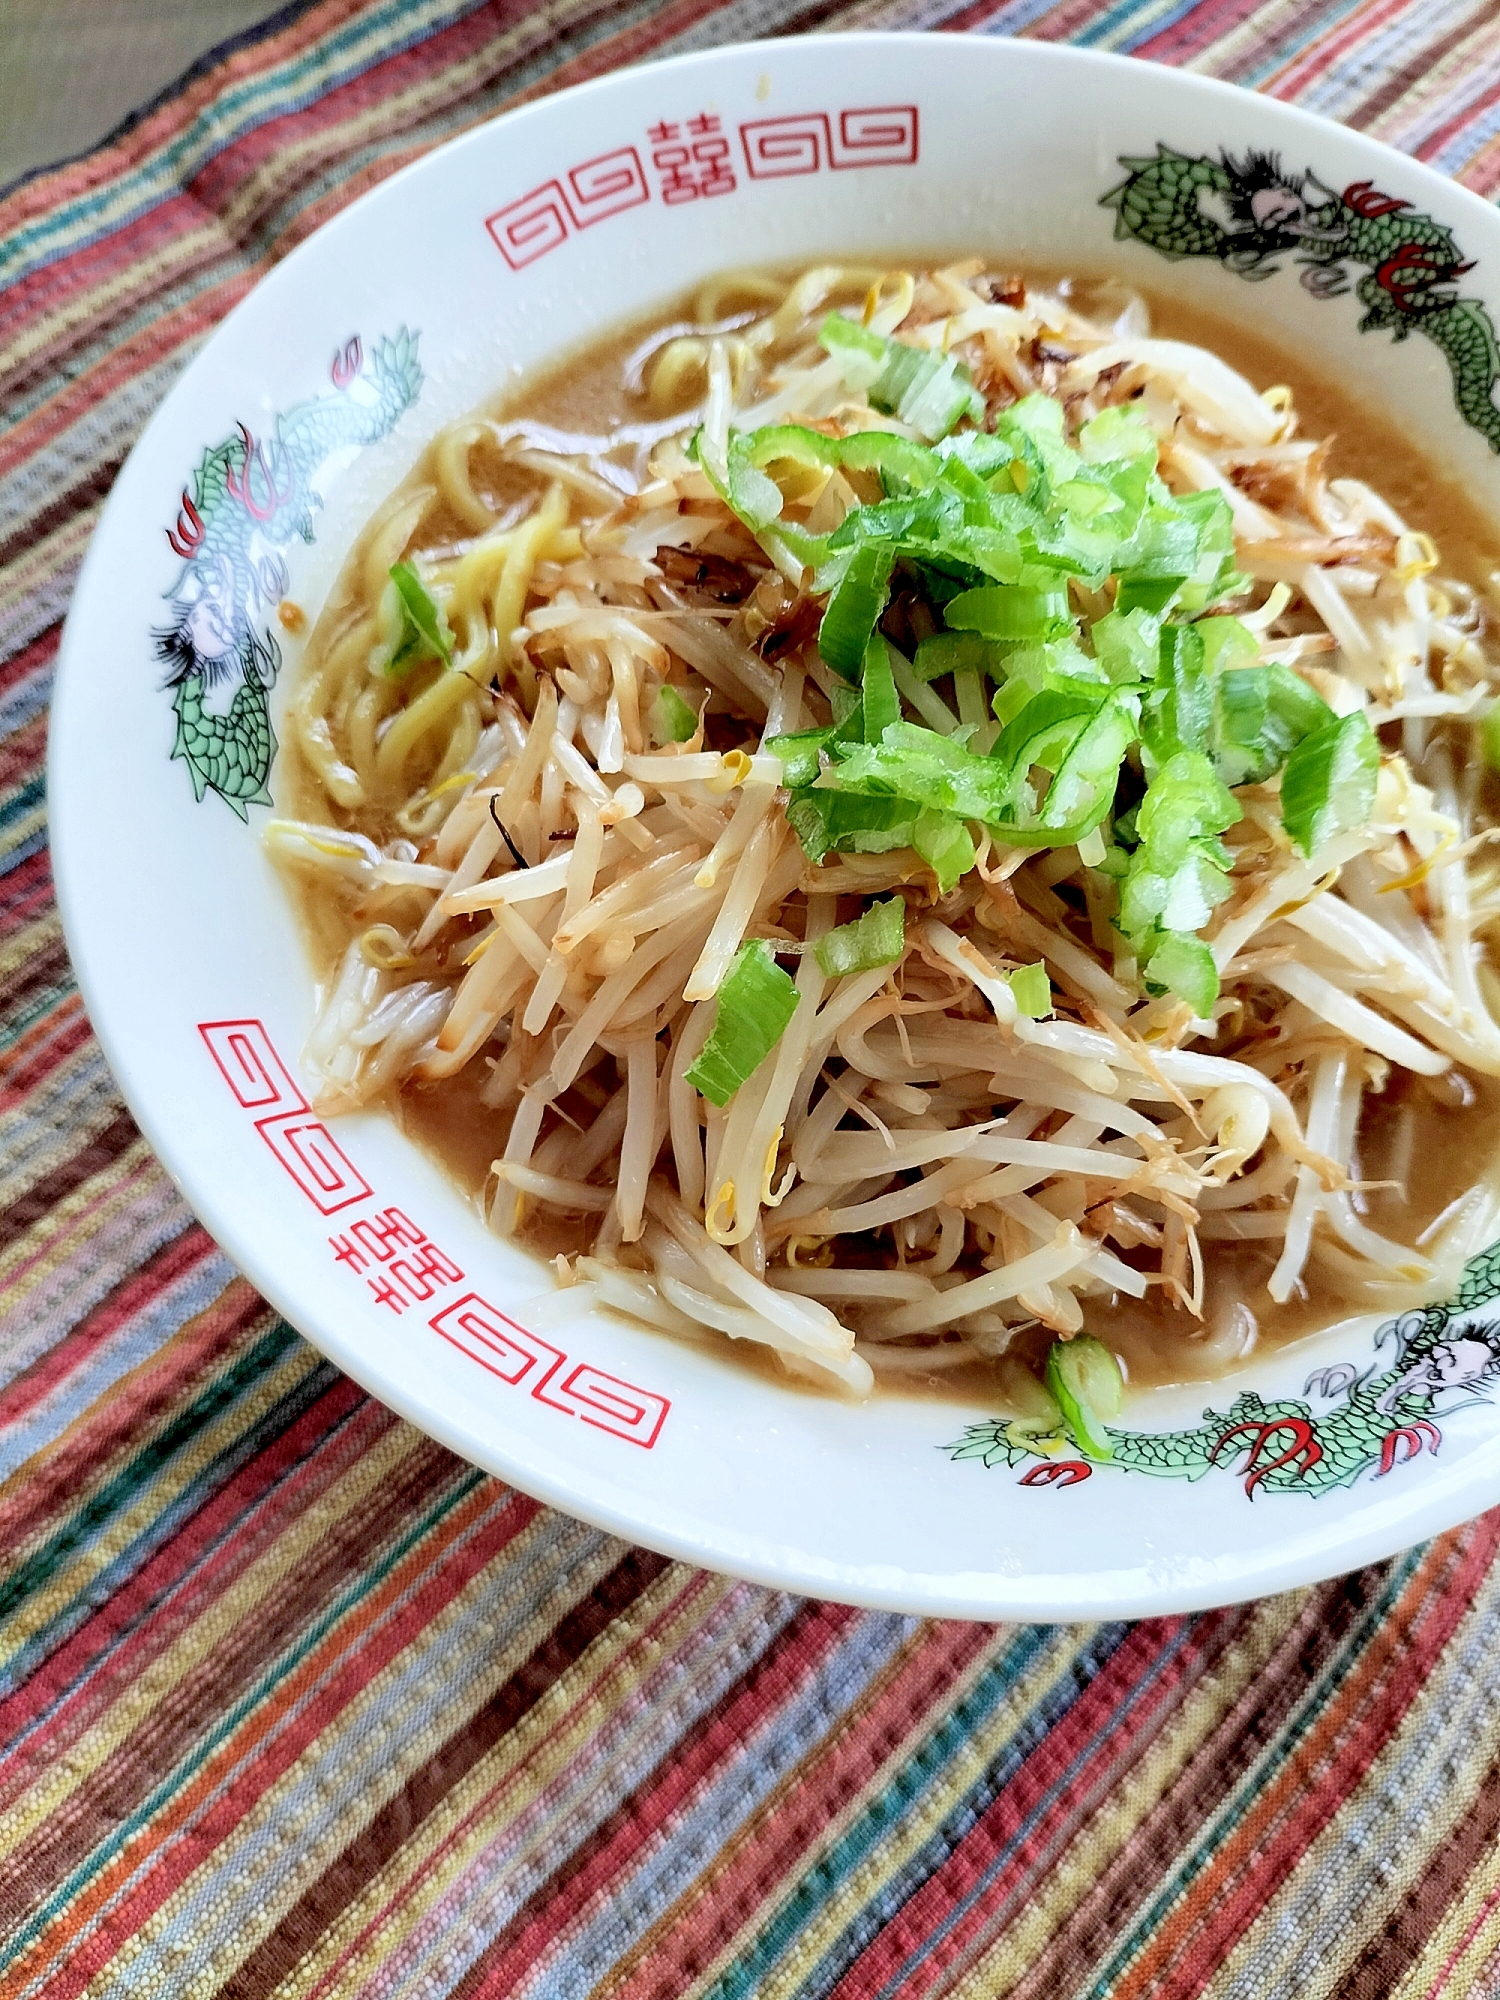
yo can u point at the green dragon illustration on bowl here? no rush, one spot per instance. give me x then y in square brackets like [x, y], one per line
[1381, 1417]
[1250, 213]
[249, 498]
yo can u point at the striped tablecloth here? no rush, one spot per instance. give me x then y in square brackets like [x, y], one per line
[291, 1701]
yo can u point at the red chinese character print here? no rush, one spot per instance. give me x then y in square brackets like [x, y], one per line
[347, 1251]
[424, 1272]
[415, 1268]
[383, 1235]
[386, 1294]
[693, 168]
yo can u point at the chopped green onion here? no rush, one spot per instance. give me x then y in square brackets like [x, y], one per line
[955, 653]
[876, 938]
[1183, 964]
[422, 631]
[1083, 788]
[756, 1001]
[925, 389]
[1002, 611]
[926, 769]
[826, 821]
[854, 609]
[1085, 1378]
[672, 721]
[1127, 644]
[1148, 594]
[1118, 435]
[1328, 785]
[945, 845]
[1178, 713]
[1031, 1405]
[1261, 714]
[1176, 877]
[882, 705]
[1490, 737]
[800, 763]
[991, 528]
[1031, 990]
[859, 353]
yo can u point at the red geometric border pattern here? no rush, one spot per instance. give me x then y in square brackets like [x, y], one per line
[608, 1404]
[315, 1160]
[497, 1343]
[250, 1066]
[877, 135]
[260, 1081]
[805, 142]
[527, 229]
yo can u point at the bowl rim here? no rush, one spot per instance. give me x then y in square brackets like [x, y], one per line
[1456, 1494]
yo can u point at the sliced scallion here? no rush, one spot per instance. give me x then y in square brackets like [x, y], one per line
[756, 1001]
[876, 938]
[929, 391]
[1328, 785]
[854, 608]
[422, 628]
[672, 721]
[1085, 1378]
[1031, 990]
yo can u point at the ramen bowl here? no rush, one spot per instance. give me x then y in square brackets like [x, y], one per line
[493, 255]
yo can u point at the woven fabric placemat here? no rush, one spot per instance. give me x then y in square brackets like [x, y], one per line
[294, 1703]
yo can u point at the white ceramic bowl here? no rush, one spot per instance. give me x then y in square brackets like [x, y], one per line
[492, 254]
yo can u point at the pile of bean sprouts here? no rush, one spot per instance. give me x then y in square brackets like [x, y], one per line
[541, 897]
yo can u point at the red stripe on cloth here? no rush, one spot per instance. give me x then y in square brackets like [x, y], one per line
[1060, 23]
[223, 179]
[1439, 1985]
[823, 1788]
[133, 1295]
[26, 892]
[633, 44]
[44, 1047]
[33, 659]
[21, 752]
[50, 1485]
[141, 1174]
[1123, 1881]
[1196, 31]
[965, 20]
[1482, 173]
[97, 1150]
[1300, 1801]
[125, 157]
[233, 1792]
[1305, 68]
[351, 1874]
[1152, 1663]
[1471, 114]
[81, 292]
[144, 1755]
[245, 1518]
[149, 347]
[746, 1713]
[66, 281]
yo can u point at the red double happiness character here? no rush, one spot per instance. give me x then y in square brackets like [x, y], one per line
[692, 158]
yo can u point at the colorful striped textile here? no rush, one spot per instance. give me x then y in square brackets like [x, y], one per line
[292, 1702]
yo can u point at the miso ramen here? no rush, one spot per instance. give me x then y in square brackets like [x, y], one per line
[924, 821]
